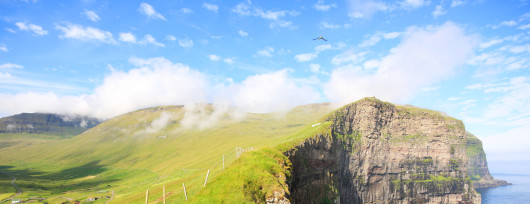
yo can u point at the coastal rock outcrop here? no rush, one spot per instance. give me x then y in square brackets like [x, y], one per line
[477, 164]
[377, 152]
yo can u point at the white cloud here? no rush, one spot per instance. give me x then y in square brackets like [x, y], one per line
[270, 92]
[444, 48]
[438, 11]
[305, 57]
[348, 57]
[149, 39]
[242, 33]
[186, 10]
[228, 60]
[127, 37]
[267, 52]
[365, 8]
[315, 68]
[214, 57]
[391, 35]
[519, 48]
[31, 27]
[490, 43]
[456, 3]
[186, 43]
[80, 32]
[509, 145]
[273, 15]
[244, 9]
[91, 15]
[4, 48]
[158, 81]
[410, 4]
[321, 6]
[10, 66]
[370, 64]
[327, 25]
[508, 23]
[524, 27]
[154, 82]
[282, 24]
[325, 47]
[486, 59]
[378, 36]
[211, 7]
[150, 12]
[371, 41]
[171, 37]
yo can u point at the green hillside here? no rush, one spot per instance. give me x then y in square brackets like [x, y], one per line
[148, 149]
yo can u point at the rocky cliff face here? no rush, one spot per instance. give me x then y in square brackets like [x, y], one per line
[376, 152]
[478, 170]
[46, 123]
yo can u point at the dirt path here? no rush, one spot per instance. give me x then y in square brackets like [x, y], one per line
[19, 190]
[111, 197]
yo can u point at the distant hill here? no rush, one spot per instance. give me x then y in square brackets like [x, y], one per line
[45, 123]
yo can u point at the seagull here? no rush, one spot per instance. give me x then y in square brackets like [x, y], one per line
[320, 38]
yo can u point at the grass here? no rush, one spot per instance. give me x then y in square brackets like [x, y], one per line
[6, 189]
[474, 146]
[256, 176]
[121, 155]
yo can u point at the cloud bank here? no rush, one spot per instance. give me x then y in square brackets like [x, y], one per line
[158, 81]
[425, 56]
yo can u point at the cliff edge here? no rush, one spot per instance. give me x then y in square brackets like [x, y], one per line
[478, 170]
[377, 152]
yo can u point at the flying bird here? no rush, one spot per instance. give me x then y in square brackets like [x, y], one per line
[320, 38]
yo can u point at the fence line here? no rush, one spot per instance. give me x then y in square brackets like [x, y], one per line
[192, 181]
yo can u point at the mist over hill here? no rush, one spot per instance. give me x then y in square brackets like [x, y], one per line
[46, 123]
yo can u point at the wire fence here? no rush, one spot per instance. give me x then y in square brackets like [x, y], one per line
[196, 181]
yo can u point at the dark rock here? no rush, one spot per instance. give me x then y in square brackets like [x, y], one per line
[376, 152]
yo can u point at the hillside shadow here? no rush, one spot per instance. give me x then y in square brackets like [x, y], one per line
[60, 181]
[88, 169]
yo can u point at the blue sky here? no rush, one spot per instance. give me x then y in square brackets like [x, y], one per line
[467, 58]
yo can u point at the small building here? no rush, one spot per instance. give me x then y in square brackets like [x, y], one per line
[15, 200]
[162, 137]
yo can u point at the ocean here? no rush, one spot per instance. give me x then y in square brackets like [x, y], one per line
[518, 192]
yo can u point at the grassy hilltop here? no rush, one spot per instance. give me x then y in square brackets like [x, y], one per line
[146, 149]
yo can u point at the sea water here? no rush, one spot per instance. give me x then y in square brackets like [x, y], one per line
[518, 192]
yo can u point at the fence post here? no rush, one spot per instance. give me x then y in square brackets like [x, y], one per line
[164, 193]
[223, 161]
[147, 196]
[184, 186]
[206, 177]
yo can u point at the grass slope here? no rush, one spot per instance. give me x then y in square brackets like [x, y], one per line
[129, 154]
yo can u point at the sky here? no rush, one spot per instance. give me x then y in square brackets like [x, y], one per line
[467, 58]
